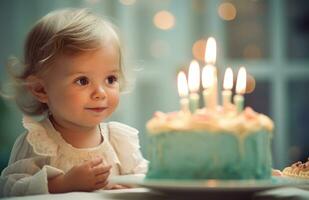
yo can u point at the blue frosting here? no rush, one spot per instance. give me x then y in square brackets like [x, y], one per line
[203, 155]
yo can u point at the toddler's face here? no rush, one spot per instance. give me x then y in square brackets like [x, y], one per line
[84, 89]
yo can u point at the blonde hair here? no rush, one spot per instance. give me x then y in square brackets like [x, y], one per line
[61, 32]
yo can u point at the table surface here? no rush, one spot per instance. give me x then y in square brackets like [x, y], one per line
[144, 193]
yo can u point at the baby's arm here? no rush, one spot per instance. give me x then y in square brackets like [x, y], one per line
[126, 144]
[89, 176]
[27, 172]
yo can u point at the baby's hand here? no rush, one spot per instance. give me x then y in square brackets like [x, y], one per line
[89, 176]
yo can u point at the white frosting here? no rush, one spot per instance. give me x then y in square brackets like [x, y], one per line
[204, 120]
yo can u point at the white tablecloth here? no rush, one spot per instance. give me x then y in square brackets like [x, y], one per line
[134, 193]
[143, 193]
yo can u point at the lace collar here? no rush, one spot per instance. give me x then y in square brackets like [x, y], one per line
[47, 141]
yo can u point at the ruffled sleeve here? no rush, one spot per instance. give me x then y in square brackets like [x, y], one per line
[125, 141]
[38, 138]
[28, 170]
[27, 177]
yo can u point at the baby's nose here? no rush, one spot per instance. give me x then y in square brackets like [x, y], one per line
[99, 93]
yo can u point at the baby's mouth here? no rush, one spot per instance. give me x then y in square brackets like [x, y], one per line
[97, 109]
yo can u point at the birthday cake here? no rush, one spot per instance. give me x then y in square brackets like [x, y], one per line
[208, 145]
[214, 142]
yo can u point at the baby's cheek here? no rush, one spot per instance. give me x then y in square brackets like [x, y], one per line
[114, 99]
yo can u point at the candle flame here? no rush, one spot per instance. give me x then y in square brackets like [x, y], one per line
[241, 81]
[211, 51]
[182, 84]
[228, 79]
[207, 77]
[194, 76]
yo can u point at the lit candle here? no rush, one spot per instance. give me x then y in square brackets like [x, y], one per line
[210, 59]
[194, 85]
[240, 89]
[207, 82]
[227, 87]
[183, 91]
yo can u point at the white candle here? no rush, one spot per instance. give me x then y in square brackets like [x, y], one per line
[183, 91]
[240, 89]
[207, 82]
[211, 51]
[210, 59]
[194, 85]
[227, 87]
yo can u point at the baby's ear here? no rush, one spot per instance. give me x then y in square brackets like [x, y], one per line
[36, 87]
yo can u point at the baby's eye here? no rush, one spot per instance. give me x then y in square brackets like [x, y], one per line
[111, 79]
[82, 81]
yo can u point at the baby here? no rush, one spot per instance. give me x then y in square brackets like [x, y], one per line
[72, 78]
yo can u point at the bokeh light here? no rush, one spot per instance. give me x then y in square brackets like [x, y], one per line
[198, 49]
[252, 51]
[159, 49]
[250, 84]
[164, 20]
[227, 11]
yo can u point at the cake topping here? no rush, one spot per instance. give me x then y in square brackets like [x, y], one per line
[226, 120]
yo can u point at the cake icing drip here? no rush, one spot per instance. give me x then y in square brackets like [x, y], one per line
[245, 122]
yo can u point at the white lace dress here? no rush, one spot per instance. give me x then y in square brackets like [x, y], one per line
[42, 153]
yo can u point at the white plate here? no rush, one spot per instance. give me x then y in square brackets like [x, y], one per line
[211, 185]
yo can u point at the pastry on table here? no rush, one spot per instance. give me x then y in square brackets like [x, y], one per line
[298, 169]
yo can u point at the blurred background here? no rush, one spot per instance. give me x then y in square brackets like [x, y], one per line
[160, 37]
